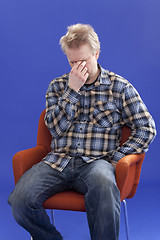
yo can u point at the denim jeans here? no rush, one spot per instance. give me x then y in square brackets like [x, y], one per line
[96, 180]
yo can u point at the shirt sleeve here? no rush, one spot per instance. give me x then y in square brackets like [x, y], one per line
[136, 116]
[61, 110]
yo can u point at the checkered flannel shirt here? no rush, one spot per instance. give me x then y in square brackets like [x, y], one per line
[88, 123]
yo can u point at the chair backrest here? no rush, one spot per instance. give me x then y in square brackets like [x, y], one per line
[44, 137]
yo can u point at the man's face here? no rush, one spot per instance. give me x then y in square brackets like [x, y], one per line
[84, 53]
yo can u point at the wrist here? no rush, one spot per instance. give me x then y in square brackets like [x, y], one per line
[71, 95]
[74, 88]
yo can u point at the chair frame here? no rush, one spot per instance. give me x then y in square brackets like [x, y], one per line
[127, 172]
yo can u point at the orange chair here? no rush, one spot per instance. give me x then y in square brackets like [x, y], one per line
[127, 172]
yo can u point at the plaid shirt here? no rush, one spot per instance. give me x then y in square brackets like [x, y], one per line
[88, 123]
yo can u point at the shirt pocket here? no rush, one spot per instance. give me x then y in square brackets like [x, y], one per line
[105, 114]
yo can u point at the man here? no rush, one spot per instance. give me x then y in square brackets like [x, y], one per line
[85, 111]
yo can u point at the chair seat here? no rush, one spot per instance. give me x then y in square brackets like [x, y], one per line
[69, 200]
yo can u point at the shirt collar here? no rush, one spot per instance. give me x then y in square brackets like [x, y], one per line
[104, 76]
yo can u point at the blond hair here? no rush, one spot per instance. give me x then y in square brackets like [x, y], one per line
[78, 35]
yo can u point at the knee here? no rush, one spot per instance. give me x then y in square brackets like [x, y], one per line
[19, 199]
[17, 204]
[21, 204]
[103, 193]
[102, 178]
[103, 183]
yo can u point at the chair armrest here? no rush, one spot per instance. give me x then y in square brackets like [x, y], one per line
[128, 171]
[24, 160]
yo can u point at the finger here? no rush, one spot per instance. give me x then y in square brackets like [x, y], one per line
[75, 67]
[81, 66]
[86, 75]
[84, 70]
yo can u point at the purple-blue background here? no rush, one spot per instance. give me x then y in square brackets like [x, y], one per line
[30, 56]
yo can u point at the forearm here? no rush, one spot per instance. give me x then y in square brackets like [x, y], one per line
[137, 117]
[137, 143]
[61, 111]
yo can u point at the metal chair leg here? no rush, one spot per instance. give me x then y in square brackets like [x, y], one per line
[52, 217]
[126, 218]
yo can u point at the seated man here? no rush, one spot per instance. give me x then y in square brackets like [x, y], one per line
[85, 111]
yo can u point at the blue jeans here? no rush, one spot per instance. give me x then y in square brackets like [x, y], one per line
[96, 180]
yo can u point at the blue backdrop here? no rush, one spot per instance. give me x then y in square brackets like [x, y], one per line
[30, 56]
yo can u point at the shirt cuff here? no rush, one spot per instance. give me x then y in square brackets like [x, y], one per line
[71, 95]
[117, 156]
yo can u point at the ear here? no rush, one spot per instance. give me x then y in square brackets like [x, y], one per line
[97, 54]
